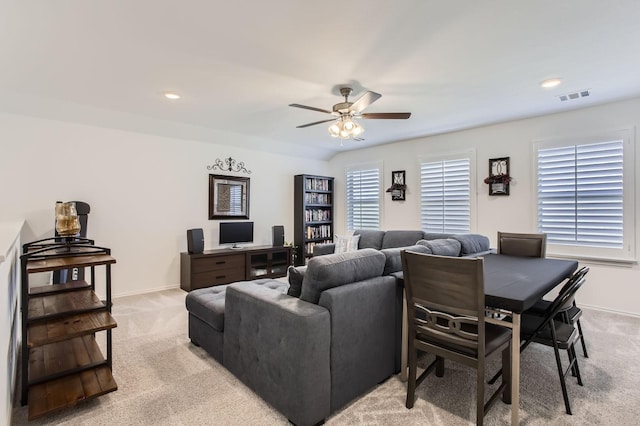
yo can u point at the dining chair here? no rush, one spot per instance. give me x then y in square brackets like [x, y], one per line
[524, 245]
[445, 306]
[544, 328]
[570, 313]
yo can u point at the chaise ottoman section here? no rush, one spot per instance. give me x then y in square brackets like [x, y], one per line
[206, 314]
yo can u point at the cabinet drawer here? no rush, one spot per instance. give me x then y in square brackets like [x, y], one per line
[214, 263]
[221, 276]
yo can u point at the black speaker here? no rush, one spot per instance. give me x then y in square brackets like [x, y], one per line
[278, 235]
[195, 240]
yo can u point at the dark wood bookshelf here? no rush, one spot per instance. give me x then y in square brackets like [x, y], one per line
[313, 214]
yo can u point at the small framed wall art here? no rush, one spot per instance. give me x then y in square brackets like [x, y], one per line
[499, 177]
[398, 186]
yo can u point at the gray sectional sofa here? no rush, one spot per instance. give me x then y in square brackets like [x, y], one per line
[311, 355]
[470, 244]
[311, 347]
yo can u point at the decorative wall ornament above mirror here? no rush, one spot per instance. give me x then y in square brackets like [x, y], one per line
[228, 197]
[229, 165]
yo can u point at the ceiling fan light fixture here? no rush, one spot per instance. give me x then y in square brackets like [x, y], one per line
[349, 125]
[345, 128]
[334, 130]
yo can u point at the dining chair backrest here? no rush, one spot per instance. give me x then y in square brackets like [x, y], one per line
[445, 296]
[566, 296]
[524, 245]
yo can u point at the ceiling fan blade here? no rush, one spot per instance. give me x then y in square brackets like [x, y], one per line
[311, 108]
[364, 101]
[313, 124]
[386, 115]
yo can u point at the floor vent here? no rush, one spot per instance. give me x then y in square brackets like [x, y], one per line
[575, 95]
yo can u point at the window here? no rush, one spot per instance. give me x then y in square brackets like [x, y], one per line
[445, 187]
[363, 199]
[585, 197]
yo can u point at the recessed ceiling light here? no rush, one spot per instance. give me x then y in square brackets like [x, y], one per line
[552, 82]
[171, 95]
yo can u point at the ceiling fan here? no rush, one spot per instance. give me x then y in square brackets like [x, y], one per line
[345, 127]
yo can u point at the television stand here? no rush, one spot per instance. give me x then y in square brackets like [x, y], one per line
[228, 265]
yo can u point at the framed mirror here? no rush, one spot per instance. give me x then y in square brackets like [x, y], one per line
[228, 197]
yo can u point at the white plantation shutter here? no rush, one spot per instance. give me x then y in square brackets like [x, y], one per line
[363, 199]
[581, 194]
[445, 196]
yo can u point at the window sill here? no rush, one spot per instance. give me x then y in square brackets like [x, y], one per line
[594, 260]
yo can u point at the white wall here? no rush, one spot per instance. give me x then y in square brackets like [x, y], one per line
[144, 191]
[608, 287]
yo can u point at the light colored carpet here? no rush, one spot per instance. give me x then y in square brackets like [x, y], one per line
[164, 380]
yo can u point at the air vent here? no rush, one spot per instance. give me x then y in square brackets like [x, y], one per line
[575, 95]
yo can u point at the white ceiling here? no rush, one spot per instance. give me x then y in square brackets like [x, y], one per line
[237, 65]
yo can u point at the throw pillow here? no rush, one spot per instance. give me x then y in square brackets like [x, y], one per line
[472, 243]
[393, 262]
[443, 247]
[296, 275]
[347, 243]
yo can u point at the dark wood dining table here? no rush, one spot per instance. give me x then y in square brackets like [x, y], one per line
[511, 284]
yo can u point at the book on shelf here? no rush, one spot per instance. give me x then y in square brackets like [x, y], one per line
[317, 215]
[318, 231]
[316, 184]
[317, 198]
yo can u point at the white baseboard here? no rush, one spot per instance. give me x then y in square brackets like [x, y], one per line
[151, 290]
[611, 311]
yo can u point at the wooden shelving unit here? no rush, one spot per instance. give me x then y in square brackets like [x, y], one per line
[313, 214]
[62, 363]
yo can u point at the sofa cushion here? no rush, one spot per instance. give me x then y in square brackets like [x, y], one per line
[369, 238]
[401, 238]
[208, 303]
[334, 270]
[472, 243]
[393, 262]
[296, 274]
[346, 243]
[442, 247]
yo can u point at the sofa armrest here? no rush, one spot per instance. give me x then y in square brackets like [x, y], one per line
[322, 249]
[279, 346]
[365, 324]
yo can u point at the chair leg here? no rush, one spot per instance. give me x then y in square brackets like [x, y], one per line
[576, 368]
[563, 385]
[565, 318]
[573, 359]
[480, 393]
[584, 347]
[439, 366]
[411, 380]
[506, 374]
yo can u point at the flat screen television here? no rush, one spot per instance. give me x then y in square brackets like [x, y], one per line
[236, 232]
